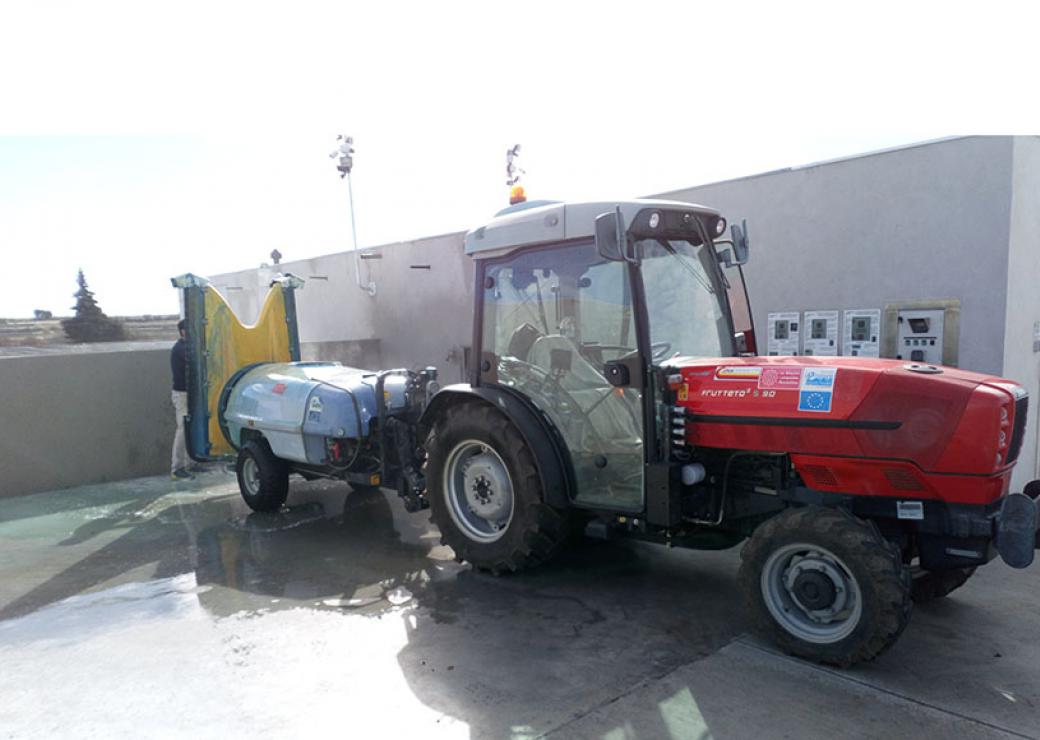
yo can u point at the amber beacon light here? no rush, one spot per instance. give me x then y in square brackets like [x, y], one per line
[517, 195]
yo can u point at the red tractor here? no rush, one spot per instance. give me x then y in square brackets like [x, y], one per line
[615, 391]
[616, 388]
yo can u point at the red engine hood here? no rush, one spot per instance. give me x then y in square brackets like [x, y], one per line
[951, 421]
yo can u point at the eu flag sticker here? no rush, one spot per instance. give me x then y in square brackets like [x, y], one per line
[815, 401]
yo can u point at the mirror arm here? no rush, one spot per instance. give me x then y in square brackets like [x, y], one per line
[622, 239]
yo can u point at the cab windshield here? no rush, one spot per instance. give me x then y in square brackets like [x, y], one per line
[686, 300]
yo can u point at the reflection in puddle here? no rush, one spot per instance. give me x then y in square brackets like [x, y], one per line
[151, 655]
[341, 613]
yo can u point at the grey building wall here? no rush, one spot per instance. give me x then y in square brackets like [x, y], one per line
[956, 219]
[928, 221]
[420, 314]
[71, 419]
[1021, 360]
[952, 219]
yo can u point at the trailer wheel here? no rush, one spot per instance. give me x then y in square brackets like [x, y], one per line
[825, 585]
[930, 585]
[486, 494]
[263, 478]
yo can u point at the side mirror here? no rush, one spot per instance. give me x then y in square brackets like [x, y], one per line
[608, 242]
[611, 238]
[740, 243]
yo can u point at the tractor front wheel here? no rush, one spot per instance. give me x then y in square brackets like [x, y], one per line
[263, 478]
[825, 585]
[485, 492]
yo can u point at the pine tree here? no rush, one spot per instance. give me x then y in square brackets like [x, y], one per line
[90, 324]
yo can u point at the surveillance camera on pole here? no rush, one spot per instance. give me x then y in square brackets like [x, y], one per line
[345, 153]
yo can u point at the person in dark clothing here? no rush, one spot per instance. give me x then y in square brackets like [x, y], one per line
[179, 367]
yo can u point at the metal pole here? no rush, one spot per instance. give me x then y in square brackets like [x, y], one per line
[353, 225]
[371, 286]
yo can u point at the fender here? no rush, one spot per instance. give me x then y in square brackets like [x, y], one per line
[542, 438]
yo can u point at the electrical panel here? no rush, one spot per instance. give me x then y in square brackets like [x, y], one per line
[862, 332]
[820, 329]
[784, 333]
[919, 335]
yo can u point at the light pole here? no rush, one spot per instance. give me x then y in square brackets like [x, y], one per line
[345, 153]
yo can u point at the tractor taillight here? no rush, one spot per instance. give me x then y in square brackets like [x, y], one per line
[1002, 436]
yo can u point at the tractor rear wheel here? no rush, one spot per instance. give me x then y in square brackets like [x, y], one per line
[485, 492]
[825, 585]
[263, 478]
[930, 585]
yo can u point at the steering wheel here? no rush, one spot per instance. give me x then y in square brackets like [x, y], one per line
[659, 350]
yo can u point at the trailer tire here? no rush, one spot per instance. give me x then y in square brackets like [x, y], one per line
[825, 585]
[486, 494]
[930, 585]
[263, 478]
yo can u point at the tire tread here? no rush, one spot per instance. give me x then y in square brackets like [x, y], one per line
[543, 530]
[890, 580]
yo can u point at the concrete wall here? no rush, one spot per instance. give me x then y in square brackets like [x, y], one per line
[70, 419]
[425, 316]
[420, 314]
[1021, 359]
[953, 219]
[924, 222]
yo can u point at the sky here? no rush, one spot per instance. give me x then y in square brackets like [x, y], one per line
[140, 141]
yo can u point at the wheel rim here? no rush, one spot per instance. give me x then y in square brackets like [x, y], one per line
[478, 491]
[251, 476]
[811, 593]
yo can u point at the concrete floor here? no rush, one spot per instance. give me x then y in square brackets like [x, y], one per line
[148, 608]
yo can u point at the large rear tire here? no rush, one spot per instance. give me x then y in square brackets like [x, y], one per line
[486, 494]
[263, 478]
[825, 585]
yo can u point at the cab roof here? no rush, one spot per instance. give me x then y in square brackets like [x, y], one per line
[539, 222]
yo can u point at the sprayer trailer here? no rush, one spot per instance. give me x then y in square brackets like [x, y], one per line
[616, 390]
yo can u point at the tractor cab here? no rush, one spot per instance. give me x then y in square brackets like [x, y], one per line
[578, 305]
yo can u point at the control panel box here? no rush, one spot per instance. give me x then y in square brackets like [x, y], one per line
[919, 336]
[821, 333]
[925, 331]
[862, 332]
[784, 333]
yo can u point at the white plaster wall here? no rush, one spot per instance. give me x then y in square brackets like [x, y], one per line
[1021, 363]
[417, 317]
